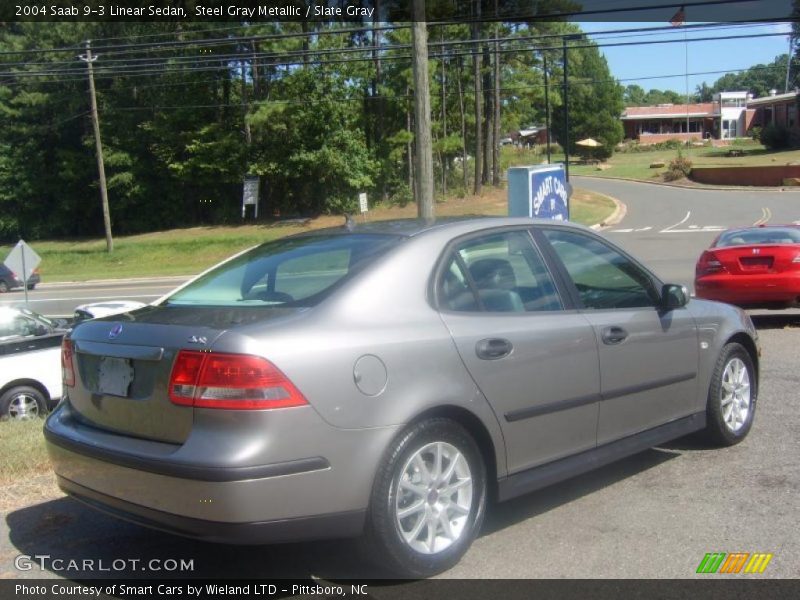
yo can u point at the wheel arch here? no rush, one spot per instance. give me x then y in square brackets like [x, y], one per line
[749, 345]
[32, 383]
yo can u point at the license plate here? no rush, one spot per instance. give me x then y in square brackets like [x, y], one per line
[114, 376]
[756, 262]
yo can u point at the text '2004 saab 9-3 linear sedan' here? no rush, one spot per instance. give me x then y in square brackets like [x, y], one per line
[386, 380]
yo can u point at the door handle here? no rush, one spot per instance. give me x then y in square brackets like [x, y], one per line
[614, 335]
[493, 348]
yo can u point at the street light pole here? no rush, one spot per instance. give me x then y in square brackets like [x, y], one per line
[89, 59]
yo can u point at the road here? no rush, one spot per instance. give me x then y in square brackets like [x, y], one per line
[653, 515]
[668, 227]
[60, 299]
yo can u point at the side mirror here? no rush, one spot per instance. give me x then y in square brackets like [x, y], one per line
[674, 296]
[40, 330]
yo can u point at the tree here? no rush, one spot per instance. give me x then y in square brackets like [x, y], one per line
[703, 93]
[595, 102]
[634, 95]
[758, 79]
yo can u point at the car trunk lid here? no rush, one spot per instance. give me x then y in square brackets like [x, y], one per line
[123, 364]
[755, 259]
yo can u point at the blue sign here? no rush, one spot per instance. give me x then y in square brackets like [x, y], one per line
[541, 192]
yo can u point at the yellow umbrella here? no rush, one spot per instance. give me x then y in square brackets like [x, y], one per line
[589, 143]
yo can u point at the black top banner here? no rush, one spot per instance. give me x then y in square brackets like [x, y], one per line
[360, 11]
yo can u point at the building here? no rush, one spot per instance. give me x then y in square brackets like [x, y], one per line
[726, 117]
[655, 124]
[780, 109]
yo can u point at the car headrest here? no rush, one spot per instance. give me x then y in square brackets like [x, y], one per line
[493, 273]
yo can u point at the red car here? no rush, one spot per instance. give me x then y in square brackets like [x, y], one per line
[752, 267]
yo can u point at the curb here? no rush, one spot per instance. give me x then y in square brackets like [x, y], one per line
[164, 279]
[619, 213]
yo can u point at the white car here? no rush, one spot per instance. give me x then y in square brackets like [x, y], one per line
[94, 310]
[30, 363]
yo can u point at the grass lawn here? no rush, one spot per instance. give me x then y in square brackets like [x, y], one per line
[189, 251]
[25, 474]
[636, 165]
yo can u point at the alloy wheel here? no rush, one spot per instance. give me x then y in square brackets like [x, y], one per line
[735, 394]
[434, 498]
[23, 407]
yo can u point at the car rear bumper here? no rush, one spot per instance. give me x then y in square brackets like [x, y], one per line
[339, 525]
[750, 290]
[320, 495]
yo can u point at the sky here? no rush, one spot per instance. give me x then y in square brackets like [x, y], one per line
[639, 64]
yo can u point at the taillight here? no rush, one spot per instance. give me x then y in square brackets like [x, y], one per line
[67, 366]
[232, 381]
[708, 264]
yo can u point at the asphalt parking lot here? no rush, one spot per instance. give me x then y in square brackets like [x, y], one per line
[653, 515]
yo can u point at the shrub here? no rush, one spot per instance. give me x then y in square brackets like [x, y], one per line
[775, 137]
[679, 167]
[635, 146]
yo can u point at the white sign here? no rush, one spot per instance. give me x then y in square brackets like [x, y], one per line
[362, 202]
[250, 192]
[22, 260]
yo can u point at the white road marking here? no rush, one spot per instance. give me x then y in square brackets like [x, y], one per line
[703, 230]
[681, 222]
[690, 229]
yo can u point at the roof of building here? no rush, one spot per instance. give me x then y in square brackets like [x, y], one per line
[670, 111]
[776, 98]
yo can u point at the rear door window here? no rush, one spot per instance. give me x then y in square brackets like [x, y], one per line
[500, 272]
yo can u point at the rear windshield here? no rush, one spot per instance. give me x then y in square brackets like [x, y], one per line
[298, 271]
[765, 235]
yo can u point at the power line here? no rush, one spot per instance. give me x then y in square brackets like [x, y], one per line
[150, 46]
[166, 68]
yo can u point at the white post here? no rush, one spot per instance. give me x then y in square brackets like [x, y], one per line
[24, 274]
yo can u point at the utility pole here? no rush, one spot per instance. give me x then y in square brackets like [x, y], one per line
[496, 101]
[565, 141]
[89, 59]
[423, 181]
[546, 105]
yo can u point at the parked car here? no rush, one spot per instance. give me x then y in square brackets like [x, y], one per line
[752, 267]
[10, 280]
[387, 380]
[30, 363]
[104, 309]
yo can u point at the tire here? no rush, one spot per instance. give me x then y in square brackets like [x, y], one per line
[732, 397]
[413, 529]
[31, 286]
[3, 286]
[22, 404]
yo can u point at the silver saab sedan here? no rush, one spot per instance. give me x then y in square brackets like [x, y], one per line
[387, 381]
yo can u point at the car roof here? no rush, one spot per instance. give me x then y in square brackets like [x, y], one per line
[415, 227]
